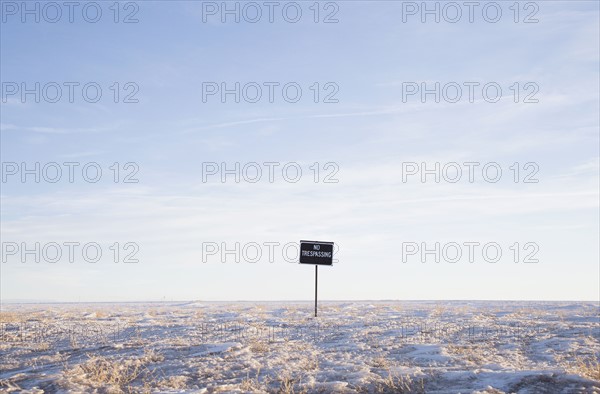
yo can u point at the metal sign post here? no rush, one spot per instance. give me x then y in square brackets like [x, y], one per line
[317, 253]
[316, 286]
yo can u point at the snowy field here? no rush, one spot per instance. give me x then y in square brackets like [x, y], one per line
[352, 347]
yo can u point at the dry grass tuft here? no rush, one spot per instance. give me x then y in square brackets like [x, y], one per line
[399, 384]
[588, 367]
[152, 356]
[472, 353]
[310, 363]
[174, 382]
[380, 362]
[259, 347]
[41, 347]
[118, 375]
[11, 317]
[287, 384]
[100, 370]
[251, 384]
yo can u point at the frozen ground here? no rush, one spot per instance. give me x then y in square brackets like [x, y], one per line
[395, 347]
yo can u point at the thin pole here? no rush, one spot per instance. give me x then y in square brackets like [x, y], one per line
[316, 279]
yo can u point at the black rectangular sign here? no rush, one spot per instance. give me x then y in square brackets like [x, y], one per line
[315, 252]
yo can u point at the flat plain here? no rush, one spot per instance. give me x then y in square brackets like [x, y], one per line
[280, 347]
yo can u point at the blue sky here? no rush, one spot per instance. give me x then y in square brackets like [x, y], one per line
[369, 133]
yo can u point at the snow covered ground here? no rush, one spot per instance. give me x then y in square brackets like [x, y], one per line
[363, 347]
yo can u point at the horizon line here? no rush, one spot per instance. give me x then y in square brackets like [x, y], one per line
[188, 301]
